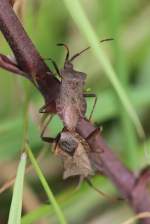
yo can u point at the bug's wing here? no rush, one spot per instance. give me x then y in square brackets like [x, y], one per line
[79, 164]
[70, 168]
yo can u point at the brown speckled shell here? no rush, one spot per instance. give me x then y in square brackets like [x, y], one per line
[71, 104]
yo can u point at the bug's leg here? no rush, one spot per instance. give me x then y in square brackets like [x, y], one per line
[47, 108]
[95, 101]
[107, 196]
[43, 109]
[55, 66]
[93, 134]
[47, 139]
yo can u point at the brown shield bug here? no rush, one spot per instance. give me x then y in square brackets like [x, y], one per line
[70, 102]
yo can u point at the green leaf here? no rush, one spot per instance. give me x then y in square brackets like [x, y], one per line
[16, 204]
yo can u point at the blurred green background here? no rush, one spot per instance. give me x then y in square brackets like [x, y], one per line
[47, 23]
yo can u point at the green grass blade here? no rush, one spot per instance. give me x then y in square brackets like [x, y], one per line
[16, 204]
[47, 189]
[84, 25]
[37, 214]
[114, 18]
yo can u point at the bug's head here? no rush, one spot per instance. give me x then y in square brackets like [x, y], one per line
[68, 143]
[68, 61]
[68, 66]
[68, 70]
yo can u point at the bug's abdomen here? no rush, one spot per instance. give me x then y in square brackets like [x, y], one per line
[71, 104]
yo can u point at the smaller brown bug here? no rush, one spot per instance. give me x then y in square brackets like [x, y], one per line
[75, 153]
[73, 149]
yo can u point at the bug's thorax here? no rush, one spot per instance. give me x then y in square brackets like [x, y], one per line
[69, 72]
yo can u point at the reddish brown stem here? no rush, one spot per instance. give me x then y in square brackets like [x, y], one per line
[132, 189]
[30, 61]
[26, 55]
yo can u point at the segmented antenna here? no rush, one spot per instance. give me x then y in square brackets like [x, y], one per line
[66, 47]
[77, 54]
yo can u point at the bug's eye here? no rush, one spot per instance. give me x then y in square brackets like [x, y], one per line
[69, 146]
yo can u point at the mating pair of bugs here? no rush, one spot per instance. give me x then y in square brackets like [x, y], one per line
[71, 107]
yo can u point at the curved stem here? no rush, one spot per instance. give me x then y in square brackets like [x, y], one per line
[27, 57]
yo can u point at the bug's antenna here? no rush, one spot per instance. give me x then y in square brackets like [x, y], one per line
[77, 54]
[66, 47]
